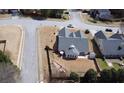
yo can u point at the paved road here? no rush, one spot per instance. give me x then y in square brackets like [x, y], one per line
[29, 71]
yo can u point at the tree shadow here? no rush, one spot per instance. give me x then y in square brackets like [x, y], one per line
[38, 18]
[9, 73]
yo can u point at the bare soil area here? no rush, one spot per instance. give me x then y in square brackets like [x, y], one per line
[12, 34]
[5, 16]
[46, 37]
[63, 68]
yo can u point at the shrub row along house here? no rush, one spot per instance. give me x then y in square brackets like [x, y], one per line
[110, 46]
[72, 44]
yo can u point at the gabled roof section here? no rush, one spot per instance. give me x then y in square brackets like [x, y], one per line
[79, 34]
[64, 32]
[103, 10]
[117, 36]
[71, 35]
[100, 35]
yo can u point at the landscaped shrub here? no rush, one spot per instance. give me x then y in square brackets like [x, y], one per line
[74, 76]
[114, 75]
[121, 75]
[87, 31]
[90, 76]
[106, 76]
[4, 58]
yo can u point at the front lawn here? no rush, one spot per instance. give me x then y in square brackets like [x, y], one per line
[65, 16]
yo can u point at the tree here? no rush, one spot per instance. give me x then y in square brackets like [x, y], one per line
[121, 75]
[4, 58]
[114, 75]
[8, 71]
[74, 76]
[106, 75]
[90, 76]
[87, 31]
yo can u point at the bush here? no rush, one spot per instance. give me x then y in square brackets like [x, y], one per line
[74, 76]
[4, 58]
[106, 76]
[87, 31]
[114, 75]
[121, 75]
[90, 76]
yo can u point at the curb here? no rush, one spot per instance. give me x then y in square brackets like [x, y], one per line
[19, 60]
[40, 70]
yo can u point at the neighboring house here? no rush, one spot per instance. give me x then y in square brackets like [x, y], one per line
[110, 46]
[72, 44]
[4, 11]
[14, 12]
[117, 13]
[101, 14]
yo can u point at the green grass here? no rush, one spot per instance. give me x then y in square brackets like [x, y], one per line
[116, 66]
[102, 63]
[93, 21]
[65, 16]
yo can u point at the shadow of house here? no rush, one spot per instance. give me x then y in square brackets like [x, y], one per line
[96, 49]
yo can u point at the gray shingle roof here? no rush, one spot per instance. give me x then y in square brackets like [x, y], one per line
[67, 38]
[109, 46]
[100, 35]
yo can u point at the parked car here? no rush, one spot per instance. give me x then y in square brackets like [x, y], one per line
[108, 30]
[70, 26]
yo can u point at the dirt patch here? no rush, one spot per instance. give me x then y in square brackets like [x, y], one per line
[62, 68]
[12, 34]
[5, 16]
[47, 37]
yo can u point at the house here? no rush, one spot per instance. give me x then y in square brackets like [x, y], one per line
[110, 46]
[4, 11]
[101, 14]
[72, 44]
[14, 12]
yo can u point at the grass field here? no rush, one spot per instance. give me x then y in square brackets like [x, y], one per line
[102, 63]
[116, 66]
